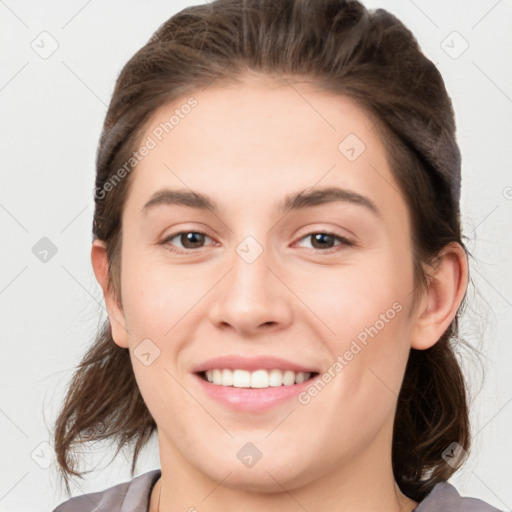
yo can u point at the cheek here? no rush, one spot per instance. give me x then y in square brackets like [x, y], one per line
[157, 303]
[156, 297]
[356, 296]
[364, 323]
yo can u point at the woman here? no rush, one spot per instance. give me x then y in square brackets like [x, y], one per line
[278, 241]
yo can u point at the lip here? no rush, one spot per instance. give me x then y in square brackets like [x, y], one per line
[251, 364]
[251, 399]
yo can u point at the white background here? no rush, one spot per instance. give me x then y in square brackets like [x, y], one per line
[52, 112]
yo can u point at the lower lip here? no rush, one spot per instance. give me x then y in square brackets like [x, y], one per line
[251, 399]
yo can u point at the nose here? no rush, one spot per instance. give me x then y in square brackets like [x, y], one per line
[252, 298]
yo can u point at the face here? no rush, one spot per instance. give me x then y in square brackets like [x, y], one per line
[265, 243]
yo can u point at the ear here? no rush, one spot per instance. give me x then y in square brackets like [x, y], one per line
[99, 260]
[439, 304]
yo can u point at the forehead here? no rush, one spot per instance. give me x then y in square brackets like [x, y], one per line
[262, 140]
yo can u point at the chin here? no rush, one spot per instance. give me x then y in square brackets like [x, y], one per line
[266, 476]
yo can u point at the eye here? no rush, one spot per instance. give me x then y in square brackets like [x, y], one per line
[322, 240]
[187, 239]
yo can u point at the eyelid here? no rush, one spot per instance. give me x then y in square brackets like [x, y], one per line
[174, 234]
[344, 241]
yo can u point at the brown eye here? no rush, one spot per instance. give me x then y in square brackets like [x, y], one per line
[186, 240]
[324, 241]
[192, 240]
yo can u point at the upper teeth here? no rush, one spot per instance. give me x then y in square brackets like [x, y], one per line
[256, 379]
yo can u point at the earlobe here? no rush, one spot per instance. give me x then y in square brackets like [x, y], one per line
[438, 307]
[99, 260]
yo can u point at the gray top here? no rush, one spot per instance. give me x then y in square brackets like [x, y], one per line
[133, 496]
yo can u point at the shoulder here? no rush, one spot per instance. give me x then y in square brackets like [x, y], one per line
[445, 497]
[129, 496]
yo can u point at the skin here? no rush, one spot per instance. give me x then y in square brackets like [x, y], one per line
[247, 147]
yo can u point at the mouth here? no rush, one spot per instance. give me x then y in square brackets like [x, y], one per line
[257, 379]
[252, 384]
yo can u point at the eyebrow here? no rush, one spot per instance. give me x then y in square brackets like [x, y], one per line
[299, 200]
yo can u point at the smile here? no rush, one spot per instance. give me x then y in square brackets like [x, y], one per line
[252, 384]
[257, 379]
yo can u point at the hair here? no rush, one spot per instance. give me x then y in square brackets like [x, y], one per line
[337, 46]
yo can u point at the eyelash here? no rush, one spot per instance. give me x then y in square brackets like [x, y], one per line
[344, 242]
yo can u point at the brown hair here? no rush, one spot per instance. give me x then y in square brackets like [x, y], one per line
[339, 46]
